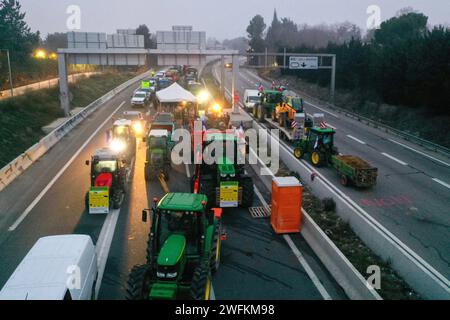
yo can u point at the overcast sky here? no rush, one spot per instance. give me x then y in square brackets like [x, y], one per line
[220, 19]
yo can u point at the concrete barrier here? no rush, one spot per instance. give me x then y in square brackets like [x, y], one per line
[16, 167]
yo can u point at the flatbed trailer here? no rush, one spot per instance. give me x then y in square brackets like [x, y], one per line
[354, 170]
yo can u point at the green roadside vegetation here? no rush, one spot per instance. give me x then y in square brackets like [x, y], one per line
[22, 117]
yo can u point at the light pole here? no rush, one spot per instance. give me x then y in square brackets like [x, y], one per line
[9, 68]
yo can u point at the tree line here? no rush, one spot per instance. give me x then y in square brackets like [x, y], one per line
[404, 62]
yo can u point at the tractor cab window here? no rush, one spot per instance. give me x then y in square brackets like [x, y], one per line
[254, 99]
[104, 166]
[157, 143]
[121, 132]
[327, 139]
[182, 223]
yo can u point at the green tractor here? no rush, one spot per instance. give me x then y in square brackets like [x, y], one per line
[318, 143]
[225, 181]
[269, 100]
[158, 154]
[183, 250]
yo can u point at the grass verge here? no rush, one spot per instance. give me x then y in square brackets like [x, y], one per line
[22, 117]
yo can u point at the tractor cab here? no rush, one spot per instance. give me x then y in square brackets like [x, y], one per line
[319, 144]
[183, 250]
[269, 100]
[122, 138]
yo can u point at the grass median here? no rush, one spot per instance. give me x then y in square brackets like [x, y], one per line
[22, 117]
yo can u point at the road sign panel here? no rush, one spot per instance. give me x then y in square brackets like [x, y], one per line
[304, 63]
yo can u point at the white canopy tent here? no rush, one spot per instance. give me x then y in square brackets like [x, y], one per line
[175, 94]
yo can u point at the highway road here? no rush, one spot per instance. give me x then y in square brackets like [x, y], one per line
[48, 199]
[412, 196]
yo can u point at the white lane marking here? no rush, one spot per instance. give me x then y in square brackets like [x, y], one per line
[299, 256]
[394, 158]
[421, 153]
[356, 139]
[212, 295]
[104, 245]
[442, 182]
[308, 269]
[58, 175]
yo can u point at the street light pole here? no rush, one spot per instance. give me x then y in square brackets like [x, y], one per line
[9, 68]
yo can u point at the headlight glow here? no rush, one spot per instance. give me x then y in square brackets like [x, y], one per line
[137, 127]
[117, 145]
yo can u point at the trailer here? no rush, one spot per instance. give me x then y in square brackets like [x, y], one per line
[353, 170]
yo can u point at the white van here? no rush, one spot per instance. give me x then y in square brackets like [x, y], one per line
[56, 268]
[251, 98]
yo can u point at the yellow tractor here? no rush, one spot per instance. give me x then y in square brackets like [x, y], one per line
[284, 112]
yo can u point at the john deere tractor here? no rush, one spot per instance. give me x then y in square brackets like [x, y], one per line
[318, 143]
[158, 154]
[123, 139]
[224, 181]
[183, 250]
[269, 100]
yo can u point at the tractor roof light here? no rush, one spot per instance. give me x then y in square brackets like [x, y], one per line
[117, 145]
[203, 96]
[216, 108]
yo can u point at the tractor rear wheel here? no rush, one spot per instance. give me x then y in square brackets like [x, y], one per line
[344, 180]
[248, 192]
[298, 153]
[317, 158]
[116, 197]
[138, 286]
[214, 260]
[201, 283]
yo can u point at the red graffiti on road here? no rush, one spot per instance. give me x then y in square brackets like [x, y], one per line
[387, 202]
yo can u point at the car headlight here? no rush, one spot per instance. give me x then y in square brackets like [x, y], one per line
[118, 145]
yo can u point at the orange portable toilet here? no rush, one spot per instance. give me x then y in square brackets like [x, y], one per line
[286, 204]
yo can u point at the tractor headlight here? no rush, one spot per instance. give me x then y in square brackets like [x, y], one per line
[232, 175]
[223, 175]
[118, 145]
[137, 127]
[160, 274]
[172, 275]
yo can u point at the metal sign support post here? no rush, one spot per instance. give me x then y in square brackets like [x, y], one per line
[63, 84]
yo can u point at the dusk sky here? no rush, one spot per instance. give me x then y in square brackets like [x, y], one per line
[220, 19]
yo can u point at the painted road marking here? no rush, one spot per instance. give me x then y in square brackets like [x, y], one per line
[104, 245]
[356, 139]
[394, 158]
[421, 153]
[442, 182]
[299, 256]
[59, 174]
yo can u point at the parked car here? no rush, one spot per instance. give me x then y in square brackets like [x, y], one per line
[139, 99]
[60, 267]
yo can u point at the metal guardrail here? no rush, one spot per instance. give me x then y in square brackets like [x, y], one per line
[378, 125]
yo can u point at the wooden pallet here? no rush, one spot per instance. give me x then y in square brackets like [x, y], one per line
[260, 212]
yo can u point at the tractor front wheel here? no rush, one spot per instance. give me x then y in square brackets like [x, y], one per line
[298, 153]
[344, 180]
[201, 283]
[138, 286]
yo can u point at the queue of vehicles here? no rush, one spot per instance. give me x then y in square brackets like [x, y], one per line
[310, 135]
[185, 235]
